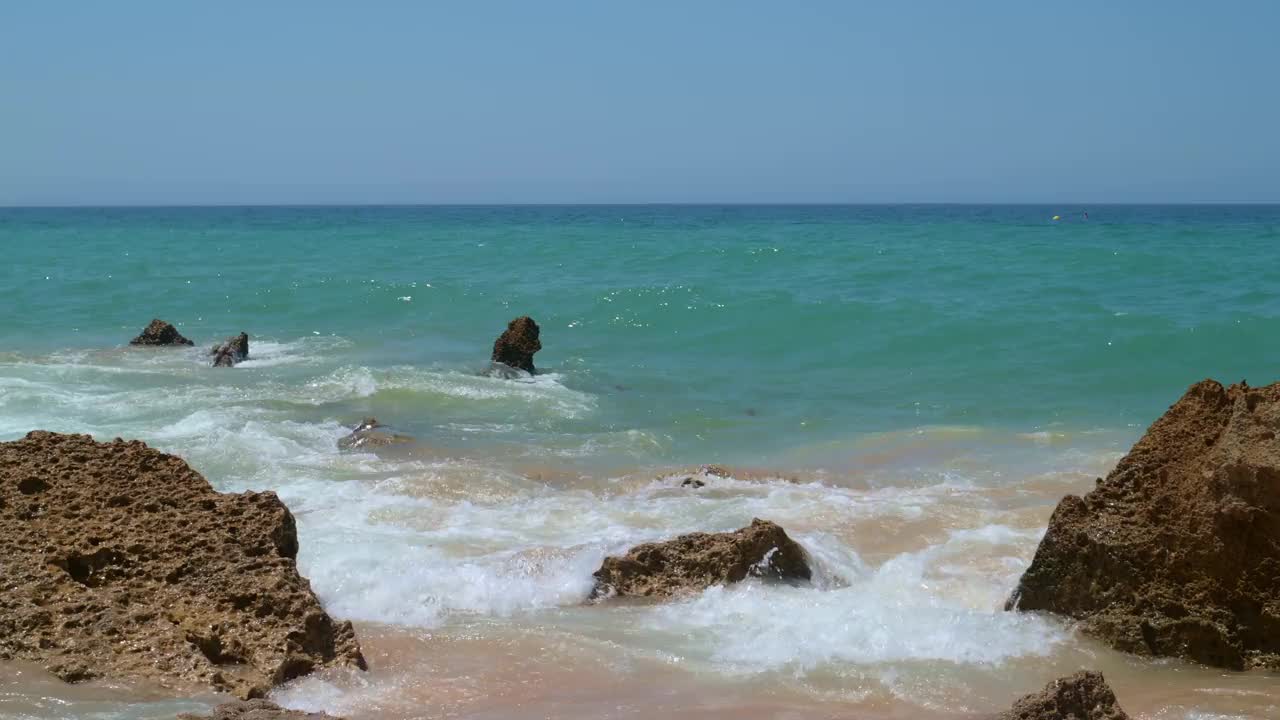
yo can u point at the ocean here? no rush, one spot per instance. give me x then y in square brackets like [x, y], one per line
[908, 390]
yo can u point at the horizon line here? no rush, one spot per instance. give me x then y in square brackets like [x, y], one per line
[931, 203]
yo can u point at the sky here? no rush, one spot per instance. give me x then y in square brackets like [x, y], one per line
[239, 102]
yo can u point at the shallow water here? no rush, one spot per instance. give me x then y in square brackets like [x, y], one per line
[908, 391]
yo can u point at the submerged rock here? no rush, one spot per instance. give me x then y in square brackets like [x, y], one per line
[1177, 551]
[231, 351]
[1083, 696]
[369, 434]
[159, 332]
[699, 477]
[120, 561]
[517, 344]
[255, 710]
[691, 563]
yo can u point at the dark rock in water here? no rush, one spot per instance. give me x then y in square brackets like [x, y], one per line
[1083, 696]
[231, 351]
[691, 563]
[369, 434]
[255, 710]
[517, 344]
[703, 473]
[125, 564]
[1177, 551]
[160, 332]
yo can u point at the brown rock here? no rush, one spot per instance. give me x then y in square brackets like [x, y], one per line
[120, 561]
[1083, 696]
[231, 351]
[255, 710]
[517, 344]
[369, 434]
[1177, 551]
[694, 562]
[160, 332]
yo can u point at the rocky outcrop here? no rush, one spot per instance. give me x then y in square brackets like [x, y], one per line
[691, 563]
[517, 344]
[371, 434]
[120, 561]
[231, 351]
[160, 332]
[255, 710]
[1083, 696]
[1177, 551]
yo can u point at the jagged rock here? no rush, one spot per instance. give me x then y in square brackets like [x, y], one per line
[120, 561]
[255, 710]
[517, 344]
[369, 434]
[1177, 551]
[231, 351]
[159, 332]
[694, 562]
[1083, 696]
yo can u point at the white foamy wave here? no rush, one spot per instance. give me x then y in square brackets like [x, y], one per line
[268, 353]
[911, 609]
[539, 391]
[422, 589]
[457, 538]
[884, 618]
[448, 389]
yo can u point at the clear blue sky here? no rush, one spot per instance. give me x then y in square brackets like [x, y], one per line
[165, 102]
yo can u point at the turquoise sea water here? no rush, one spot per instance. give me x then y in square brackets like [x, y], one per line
[718, 332]
[908, 390]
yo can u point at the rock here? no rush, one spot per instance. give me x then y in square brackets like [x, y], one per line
[120, 561]
[368, 434]
[691, 563]
[255, 710]
[1083, 696]
[517, 344]
[1177, 551]
[160, 332]
[231, 351]
[698, 477]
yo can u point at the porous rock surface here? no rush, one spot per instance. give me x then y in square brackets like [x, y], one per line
[1083, 696]
[1177, 551]
[159, 332]
[691, 563]
[517, 344]
[120, 561]
[231, 351]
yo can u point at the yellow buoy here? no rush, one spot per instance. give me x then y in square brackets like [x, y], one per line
[1057, 217]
